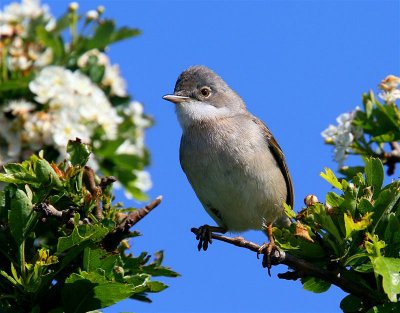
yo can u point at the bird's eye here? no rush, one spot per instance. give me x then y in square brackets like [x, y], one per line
[205, 92]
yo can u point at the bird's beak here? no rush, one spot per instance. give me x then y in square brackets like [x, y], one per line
[175, 99]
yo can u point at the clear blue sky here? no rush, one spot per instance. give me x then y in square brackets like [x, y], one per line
[297, 64]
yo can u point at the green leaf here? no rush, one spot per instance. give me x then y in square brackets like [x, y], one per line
[102, 36]
[94, 259]
[351, 171]
[91, 291]
[330, 177]
[62, 22]
[156, 286]
[81, 234]
[51, 40]
[385, 202]
[79, 152]
[19, 173]
[96, 73]
[354, 226]
[333, 199]
[388, 137]
[326, 222]
[124, 33]
[46, 174]
[315, 284]
[385, 308]
[365, 206]
[351, 304]
[20, 84]
[389, 269]
[374, 173]
[20, 215]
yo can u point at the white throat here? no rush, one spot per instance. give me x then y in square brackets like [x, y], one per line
[194, 111]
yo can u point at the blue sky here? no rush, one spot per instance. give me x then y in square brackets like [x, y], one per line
[297, 64]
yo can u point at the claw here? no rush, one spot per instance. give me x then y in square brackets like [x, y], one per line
[204, 235]
[267, 248]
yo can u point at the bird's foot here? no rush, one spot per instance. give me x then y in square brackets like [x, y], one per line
[268, 249]
[204, 235]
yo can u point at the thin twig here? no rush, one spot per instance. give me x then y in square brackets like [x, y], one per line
[392, 157]
[136, 216]
[303, 268]
[122, 231]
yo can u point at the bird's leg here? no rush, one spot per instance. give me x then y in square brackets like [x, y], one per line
[204, 235]
[267, 249]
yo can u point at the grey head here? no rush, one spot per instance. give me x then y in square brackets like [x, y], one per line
[200, 94]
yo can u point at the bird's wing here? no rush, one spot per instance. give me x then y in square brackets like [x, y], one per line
[280, 159]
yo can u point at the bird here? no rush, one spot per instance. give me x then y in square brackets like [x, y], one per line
[230, 157]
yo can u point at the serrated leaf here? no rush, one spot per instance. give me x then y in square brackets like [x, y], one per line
[81, 234]
[333, 199]
[19, 215]
[94, 259]
[326, 222]
[79, 152]
[365, 206]
[384, 203]
[124, 33]
[102, 36]
[389, 269]
[330, 177]
[351, 171]
[374, 173]
[352, 226]
[156, 286]
[91, 291]
[315, 284]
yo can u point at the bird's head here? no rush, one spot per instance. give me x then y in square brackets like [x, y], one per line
[201, 95]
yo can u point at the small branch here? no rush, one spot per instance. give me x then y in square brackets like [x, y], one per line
[47, 210]
[141, 213]
[302, 268]
[392, 157]
[113, 239]
[95, 191]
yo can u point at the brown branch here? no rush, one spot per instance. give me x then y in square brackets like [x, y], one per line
[136, 216]
[113, 239]
[303, 268]
[391, 158]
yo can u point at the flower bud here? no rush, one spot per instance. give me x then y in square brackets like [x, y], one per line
[101, 9]
[310, 200]
[73, 6]
[92, 15]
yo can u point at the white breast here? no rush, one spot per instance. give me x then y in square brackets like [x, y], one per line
[233, 171]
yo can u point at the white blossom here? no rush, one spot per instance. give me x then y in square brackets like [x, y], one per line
[135, 111]
[342, 135]
[76, 105]
[113, 79]
[27, 9]
[143, 180]
[102, 58]
[19, 107]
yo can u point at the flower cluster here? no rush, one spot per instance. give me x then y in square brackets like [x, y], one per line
[53, 91]
[342, 135]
